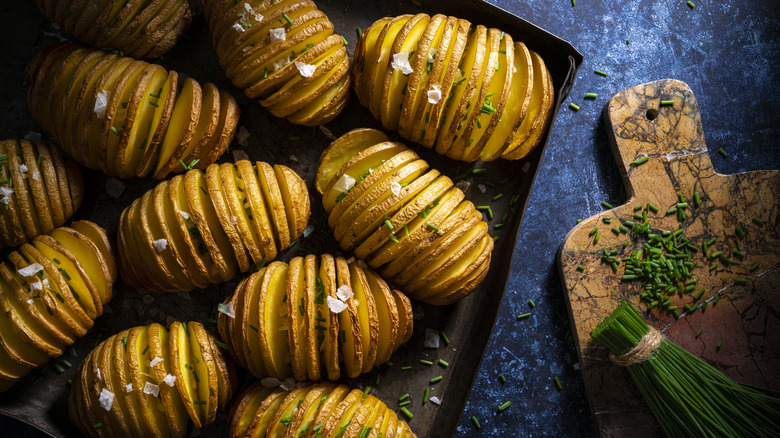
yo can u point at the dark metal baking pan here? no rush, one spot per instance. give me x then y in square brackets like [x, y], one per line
[24, 32]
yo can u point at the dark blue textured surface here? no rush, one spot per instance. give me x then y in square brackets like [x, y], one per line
[728, 52]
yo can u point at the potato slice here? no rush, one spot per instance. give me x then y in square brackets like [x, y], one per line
[296, 199]
[395, 81]
[274, 321]
[241, 414]
[377, 70]
[303, 421]
[535, 116]
[273, 197]
[208, 385]
[159, 346]
[278, 426]
[405, 315]
[350, 337]
[151, 409]
[265, 414]
[296, 313]
[248, 316]
[341, 150]
[329, 345]
[545, 115]
[387, 318]
[367, 314]
[365, 57]
[313, 332]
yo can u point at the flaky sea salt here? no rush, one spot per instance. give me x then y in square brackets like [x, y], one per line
[431, 338]
[184, 214]
[435, 400]
[308, 230]
[270, 382]
[238, 27]
[36, 175]
[106, 399]
[278, 34]
[30, 270]
[434, 94]
[101, 102]
[344, 184]
[306, 70]
[336, 306]
[151, 389]
[227, 309]
[288, 384]
[280, 64]
[155, 361]
[401, 62]
[395, 187]
[482, 188]
[344, 293]
[169, 380]
[160, 245]
[38, 286]
[129, 387]
[463, 185]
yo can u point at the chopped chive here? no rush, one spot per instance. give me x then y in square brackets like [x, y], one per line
[59, 368]
[696, 199]
[480, 170]
[498, 196]
[97, 425]
[591, 95]
[639, 161]
[504, 406]
[739, 231]
[652, 207]
[758, 221]
[690, 4]
[502, 378]
[426, 362]
[596, 238]
[698, 333]
[67, 364]
[199, 402]
[393, 239]
[408, 367]
[475, 421]
[754, 267]
[558, 383]
[531, 303]
[606, 204]
[444, 336]
[719, 344]
[288, 20]
[722, 152]
[426, 394]
[432, 226]
[403, 397]
[574, 106]
[114, 131]
[407, 413]
[443, 363]
[740, 281]
[581, 268]
[599, 72]
[436, 379]
[667, 102]
[523, 316]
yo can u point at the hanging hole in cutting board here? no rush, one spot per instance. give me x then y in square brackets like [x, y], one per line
[652, 114]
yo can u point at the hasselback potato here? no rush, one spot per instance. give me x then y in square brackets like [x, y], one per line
[405, 220]
[140, 29]
[200, 228]
[51, 291]
[314, 411]
[467, 91]
[147, 382]
[283, 53]
[128, 118]
[40, 189]
[314, 316]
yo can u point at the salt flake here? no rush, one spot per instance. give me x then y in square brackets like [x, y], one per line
[482, 188]
[36, 175]
[281, 63]
[336, 306]
[184, 214]
[308, 230]
[160, 245]
[242, 136]
[239, 27]
[287, 384]
[234, 220]
[23, 168]
[345, 183]
[401, 62]
[155, 361]
[270, 382]
[37, 286]
[306, 70]
[151, 389]
[101, 102]
[106, 399]
[431, 338]
[278, 34]
[463, 185]
[169, 380]
[227, 309]
[435, 400]
[344, 293]
[30, 270]
[129, 387]
[395, 187]
[434, 94]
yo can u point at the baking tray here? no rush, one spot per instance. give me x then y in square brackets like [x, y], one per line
[42, 403]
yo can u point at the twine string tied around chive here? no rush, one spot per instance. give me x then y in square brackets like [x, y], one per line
[641, 351]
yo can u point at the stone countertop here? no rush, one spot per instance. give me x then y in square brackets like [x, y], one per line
[728, 52]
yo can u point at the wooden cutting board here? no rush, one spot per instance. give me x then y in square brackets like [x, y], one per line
[746, 318]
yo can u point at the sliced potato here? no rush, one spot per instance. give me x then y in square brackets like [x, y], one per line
[411, 225]
[129, 118]
[51, 290]
[470, 92]
[45, 190]
[288, 322]
[201, 228]
[160, 381]
[141, 29]
[319, 409]
[275, 68]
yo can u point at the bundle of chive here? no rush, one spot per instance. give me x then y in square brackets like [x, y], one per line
[689, 397]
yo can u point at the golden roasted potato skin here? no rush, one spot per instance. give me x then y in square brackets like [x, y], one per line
[408, 222]
[43, 313]
[151, 122]
[145, 29]
[320, 343]
[126, 358]
[268, 71]
[481, 74]
[314, 410]
[214, 223]
[52, 190]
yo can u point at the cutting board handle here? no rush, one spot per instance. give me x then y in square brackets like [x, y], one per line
[642, 126]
